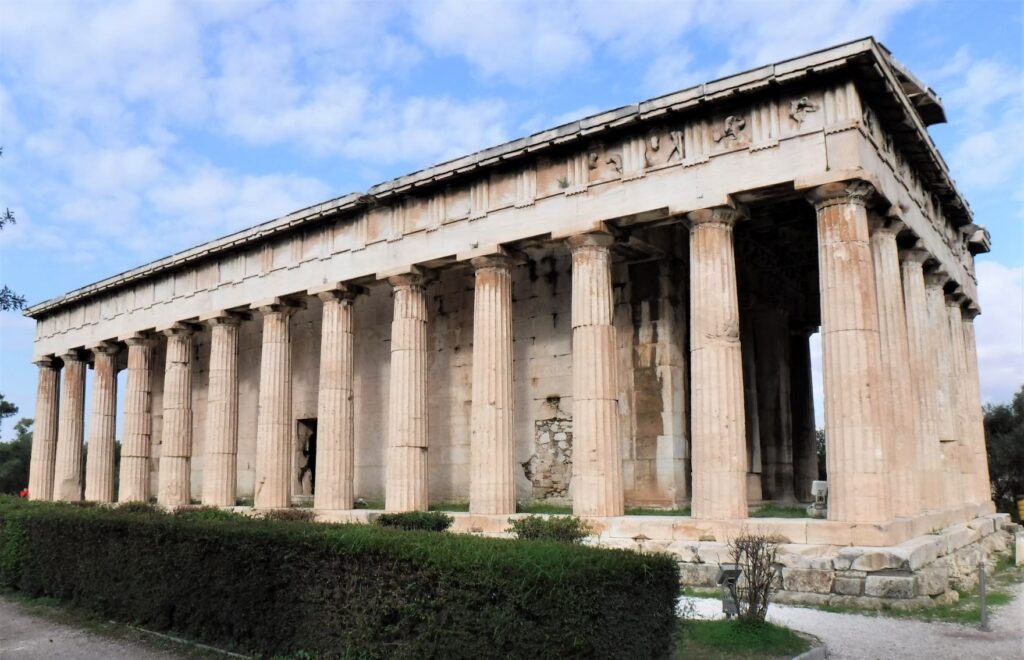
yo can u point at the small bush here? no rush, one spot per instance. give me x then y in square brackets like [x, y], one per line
[429, 521]
[139, 507]
[564, 529]
[757, 555]
[204, 513]
[289, 515]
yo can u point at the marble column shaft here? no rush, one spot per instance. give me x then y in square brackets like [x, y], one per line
[857, 455]
[492, 488]
[719, 455]
[274, 421]
[174, 487]
[951, 482]
[44, 431]
[99, 463]
[895, 351]
[959, 391]
[220, 471]
[67, 478]
[771, 339]
[972, 401]
[133, 482]
[597, 488]
[335, 448]
[406, 471]
[805, 451]
[923, 379]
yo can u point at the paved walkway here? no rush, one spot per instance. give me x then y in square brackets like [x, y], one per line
[28, 635]
[867, 637]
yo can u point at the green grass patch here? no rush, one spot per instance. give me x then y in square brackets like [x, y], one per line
[543, 507]
[776, 511]
[724, 639]
[449, 506]
[374, 505]
[651, 511]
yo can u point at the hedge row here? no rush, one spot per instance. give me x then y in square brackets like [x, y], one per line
[271, 587]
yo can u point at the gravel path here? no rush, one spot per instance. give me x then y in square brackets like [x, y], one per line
[866, 637]
[27, 635]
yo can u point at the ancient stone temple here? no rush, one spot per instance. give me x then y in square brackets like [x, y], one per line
[614, 312]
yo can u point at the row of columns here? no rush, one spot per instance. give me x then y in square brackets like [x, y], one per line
[880, 315]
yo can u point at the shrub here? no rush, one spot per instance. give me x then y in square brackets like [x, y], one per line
[288, 515]
[564, 529]
[756, 553]
[429, 521]
[268, 588]
[139, 507]
[205, 513]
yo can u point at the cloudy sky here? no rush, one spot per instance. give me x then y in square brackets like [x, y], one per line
[134, 129]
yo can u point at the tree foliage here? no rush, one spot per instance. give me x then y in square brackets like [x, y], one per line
[15, 457]
[9, 300]
[7, 409]
[1004, 442]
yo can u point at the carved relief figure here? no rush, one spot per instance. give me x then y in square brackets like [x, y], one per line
[799, 108]
[677, 145]
[734, 124]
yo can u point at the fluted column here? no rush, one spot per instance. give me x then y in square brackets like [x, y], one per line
[805, 454]
[67, 477]
[972, 402]
[857, 455]
[274, 426]
[406, 470]
[898, 397]
[44, 432]
[923, 379]
[335, 447]
[719, 455]
[492, 488]
[99, 463]
[938, 318]
[133, 482]
[220, 471]
[959, 390]
[175, 481]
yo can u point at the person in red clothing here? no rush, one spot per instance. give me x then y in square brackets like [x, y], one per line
[23, 493]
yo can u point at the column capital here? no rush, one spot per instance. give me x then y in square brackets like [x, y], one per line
[915, 255]
[105, 348]
[278, 305]
[337, 291]
[73, 355]
[970, 311]
[888, 225]
[179, 329]
[46, 362]
[224, 317]
[937, 277]
[851, 191]
[726, 216]
[493, 261]
[139, 339]
[590, 239]
[955, 298]
[410, 279]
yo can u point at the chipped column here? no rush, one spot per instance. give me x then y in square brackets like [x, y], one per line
[220, 471]
[597, 464]
[982, 493]
[938, 318]
[133, 481]
[492, 488]
[67, 477]
[44, 432]
[898, 400]
[719, 441]
[406, 470]
[274, 420]
[858, 460]
[99, 463]
[923, 379]
[959, 390]
[335, 449]
[174, 487]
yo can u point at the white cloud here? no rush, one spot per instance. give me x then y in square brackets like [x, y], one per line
[1000, 330]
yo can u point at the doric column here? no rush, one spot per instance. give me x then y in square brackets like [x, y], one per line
[492, 488]
[274, 422]
[335, 446]
[857, 455]
[175, 481]
[959, 391]
[44, 432]
[67, 477]
[923, 379]
[406, 470]
[805, 454]
[976, 418]
[220, 470]
[99, 463]
[938, 318]
[133, 483]
[897, 400]
[716, 369]
[771, 348]
[752, 422]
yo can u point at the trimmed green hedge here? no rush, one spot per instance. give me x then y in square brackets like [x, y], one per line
[428, 521]
[271, 587]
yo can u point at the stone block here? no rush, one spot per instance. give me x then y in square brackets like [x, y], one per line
[1018, 548]
[800, 598]
[879, 534]
[932, 580]
[984, 526]
[698, 575]
[826, 532]
[890, 586]
[958, 536]
[877, 559]
[684, 551]
[918, 552]
[806, 556]
[807, 579]
[848, 586]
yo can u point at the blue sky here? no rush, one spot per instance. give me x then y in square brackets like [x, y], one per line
[135, 129]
